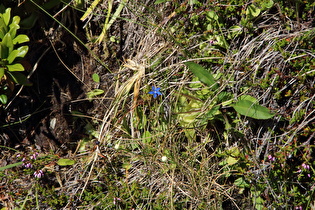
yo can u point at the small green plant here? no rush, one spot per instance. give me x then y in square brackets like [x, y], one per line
[11, 53]
[95, 92]
[194, 108]
[246, 105]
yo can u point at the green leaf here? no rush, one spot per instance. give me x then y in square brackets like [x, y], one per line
[12, 56]
[248, 98]
[6, 16]
[203, 75]
[252, 11]
[65, 162]
[1, 72]
[3, 99]
[15, 67]
[96, 77]
[146, 137]
[6, 46]
[7, 41]
[16, 20]
[22, 51]
[240, 182]
[250, 108]
[13, 28]
[267, 4]
[20, 39]
[234, 31]
[231, 160]
[11, 165]
[19, 78]
[3, 53]
[211, 15]
[3, 31]
[259, 203]
[94, 93]
[221, 41]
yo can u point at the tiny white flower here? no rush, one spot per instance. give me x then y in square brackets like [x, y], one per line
[164, 158]
[117, 146]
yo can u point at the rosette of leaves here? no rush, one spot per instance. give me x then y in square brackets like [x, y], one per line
[11, 53]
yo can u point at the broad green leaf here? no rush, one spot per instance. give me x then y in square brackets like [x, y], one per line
[7, 41]
[221, 41]
[19, 78]
[252, 109]
[252, 11]
[231, 160]
[15, 67]
[187, 118]
[234, 31]
[3, 52]
[65, 162]
[3, 99]
[3, 31]
[212, 15]
[13, 28]
[240, 182]
[22, 51]
[259, 203]
[6, 16]
[267, 4]
[203, 75]
[16, 20]
[12, 56]
[234, 151]
[248, 98]
[20, 39]
[146, 137]
[96, 77]
[228, 161]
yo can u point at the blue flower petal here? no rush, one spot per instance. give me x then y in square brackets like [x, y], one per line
[155, 91]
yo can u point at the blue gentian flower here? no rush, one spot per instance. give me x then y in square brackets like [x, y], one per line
[155, 91]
